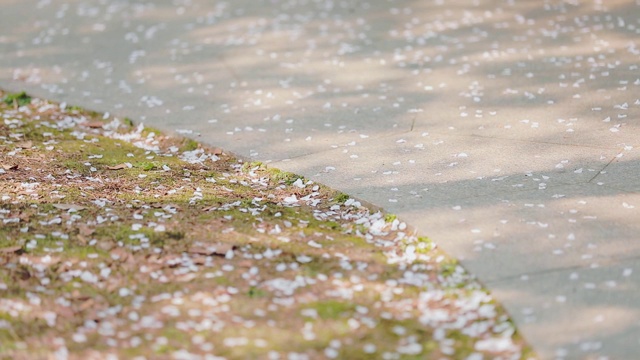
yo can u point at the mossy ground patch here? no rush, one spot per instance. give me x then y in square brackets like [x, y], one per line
[117, 239]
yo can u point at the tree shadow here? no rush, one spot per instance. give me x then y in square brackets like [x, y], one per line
[277, 80]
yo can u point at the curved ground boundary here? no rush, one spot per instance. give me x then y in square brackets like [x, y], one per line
[507, 132]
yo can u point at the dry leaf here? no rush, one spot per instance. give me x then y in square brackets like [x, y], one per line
[25, 144]
[87, 305]
[77, 295]
[113, 286]
[85, 230]
[200, 250]
[117, 167]
[65, 312]
[69, 207]
[11, 250]
[9, 167]
[199, 260]
[82, 240]
[23, 216]
[94, 124]
[106, 246]
[217, 151]
[186, 277]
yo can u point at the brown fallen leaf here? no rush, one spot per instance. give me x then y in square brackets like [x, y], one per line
[11, 250]
[85, 230]
[77, 295]
[82, 240]
[186, 277]
[9, 167]
[86, 305]
[69, 207]
[21, 274]
[117, 167]
[65, 312]
[113, 286]
[106, 246]
[217, 151]
[94, 124]
[24, 216]
[199, 259]
[25, 144]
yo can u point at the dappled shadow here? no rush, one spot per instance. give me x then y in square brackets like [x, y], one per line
[533, 232]
[284, 80]
[518, 87]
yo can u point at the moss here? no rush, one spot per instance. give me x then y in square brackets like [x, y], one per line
[174, 235]
[74, 153]
[223, 281]
[77, 167]
[75, 108]
[424, 245]
[9, 345]
[21, 99]
[118, 232]
[341, 198]
[33, 131]
[527, 352]
[131, 194]
[22, 327]
[330, 225]
[390, 218]
[319, 266]
[430, 346]
[7, 237]
[282, 177]
[464, 344]
[149, 130]
[332, 309]
[189, 145]
[448, 267]
[282, 340]
[146, 166]
[151, 288]
[248, 166]
[255, 292]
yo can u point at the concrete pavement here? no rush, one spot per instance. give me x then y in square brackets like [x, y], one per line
[507, 132]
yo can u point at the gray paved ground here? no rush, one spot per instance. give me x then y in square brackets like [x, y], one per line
[508, 132]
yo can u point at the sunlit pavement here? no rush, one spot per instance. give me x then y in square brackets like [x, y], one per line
[508, 133]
